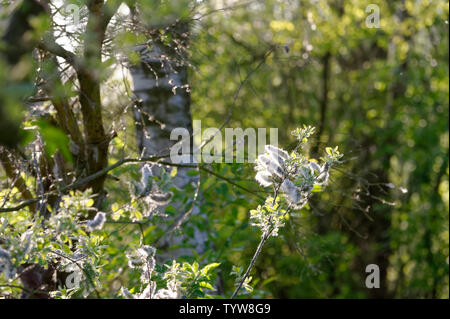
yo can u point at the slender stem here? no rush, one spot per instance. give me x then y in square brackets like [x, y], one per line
[252, 262]
[73, 261]
[264, 238]
[155, 159]
[32, 292]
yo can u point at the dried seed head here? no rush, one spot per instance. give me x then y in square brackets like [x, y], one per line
[314, 166]
[264, 178]
[267, 163]
[278, 152]
[160, 198]
[291, 191]
[97, 222]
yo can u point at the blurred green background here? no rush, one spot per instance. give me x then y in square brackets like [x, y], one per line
[379, 93]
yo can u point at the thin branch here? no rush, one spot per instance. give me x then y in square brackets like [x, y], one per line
[49, 44]
[264, 238]
[252, 263]
[73, 261]
[13, 174]
[31, 292]
[154, 159]
[236, 94]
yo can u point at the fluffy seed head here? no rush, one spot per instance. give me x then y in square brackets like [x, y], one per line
[264, 178]
[97, 222]
[276, 153]
[160, 198]
[291, 191]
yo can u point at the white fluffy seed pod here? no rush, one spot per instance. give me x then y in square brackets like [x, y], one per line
[166, 294]
[277, 153]
[267, 163]
[324, 174]
[160, 198]
[148, 292]
[97, 222]
[143, 257]
[147, 250]
[314, 166]
[291, 191]
[146, 173]
[6, 264]
[262, 162]
[146, 180]
[264, 178]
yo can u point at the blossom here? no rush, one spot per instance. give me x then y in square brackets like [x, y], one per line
[172, 292]
[143, 259]
[146, 178]
[322, 179]
[147, 293]
[166, 294]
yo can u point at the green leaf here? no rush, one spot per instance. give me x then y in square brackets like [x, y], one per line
[55, 139]
[210, 267]
[192, 173]
[317, 188]
[195, 267]
[206, 285]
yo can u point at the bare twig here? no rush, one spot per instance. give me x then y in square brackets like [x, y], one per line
[155, 159]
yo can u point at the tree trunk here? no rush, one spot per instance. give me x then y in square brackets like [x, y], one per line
[160, 84]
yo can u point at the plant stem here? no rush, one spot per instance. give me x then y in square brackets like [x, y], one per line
[252, 262]
[258, 250]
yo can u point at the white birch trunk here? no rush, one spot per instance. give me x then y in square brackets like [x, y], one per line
[160, 83]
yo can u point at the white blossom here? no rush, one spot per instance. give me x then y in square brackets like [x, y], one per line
[142, 258]
[27, 241]
[322, 179]
[147, 293]
[166, 294]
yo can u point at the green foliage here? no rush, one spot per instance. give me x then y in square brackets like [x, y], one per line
[386, 108]
[54, 140]
[381, 94]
